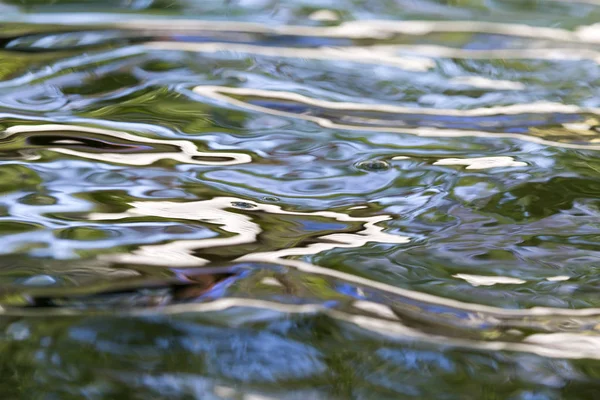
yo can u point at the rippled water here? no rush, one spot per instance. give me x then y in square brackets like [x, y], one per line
[298, 199]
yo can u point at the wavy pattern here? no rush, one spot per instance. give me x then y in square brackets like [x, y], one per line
[371, 200]
[368, 121]
[68, 138]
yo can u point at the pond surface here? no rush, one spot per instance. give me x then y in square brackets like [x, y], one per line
[299, 199]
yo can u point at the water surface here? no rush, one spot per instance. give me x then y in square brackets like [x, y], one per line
[292, 199]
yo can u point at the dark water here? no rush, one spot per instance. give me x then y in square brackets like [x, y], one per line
[298, 199]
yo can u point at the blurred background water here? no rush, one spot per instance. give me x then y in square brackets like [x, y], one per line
[299, 199]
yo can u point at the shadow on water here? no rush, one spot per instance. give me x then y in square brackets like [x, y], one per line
[278, 200]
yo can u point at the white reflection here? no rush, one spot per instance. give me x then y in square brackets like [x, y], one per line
[188, 150]
[355, 54]
[482, 162]
[481, 280]
[224, 391]
[583, 128]
[436, 51]
[375, 308]
[484, 83]
[178, 253]
[592, 2]
[408, 57]
[257, 397]
[478, 312]
[371, 29]
[216, 92]
[221, 92]
[555, 345]
[270, 281]
[576, 344]
[244, 230]
[324, 16]
[558, 278]
[590, 33]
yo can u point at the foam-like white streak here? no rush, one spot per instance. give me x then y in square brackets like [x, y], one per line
[484, 83]
[372, 29]
[244, 230]
[359, 55]
[482, 162]
[221, 92]
[481, 280]
[215, 92]
[188, 150]
[558, 278]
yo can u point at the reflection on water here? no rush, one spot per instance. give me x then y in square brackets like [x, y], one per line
[66, 139]
[279, 200]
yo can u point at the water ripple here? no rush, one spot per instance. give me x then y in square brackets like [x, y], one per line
[60, 139]
[291, 201]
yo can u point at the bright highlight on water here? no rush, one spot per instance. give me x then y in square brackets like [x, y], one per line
[291, 200]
